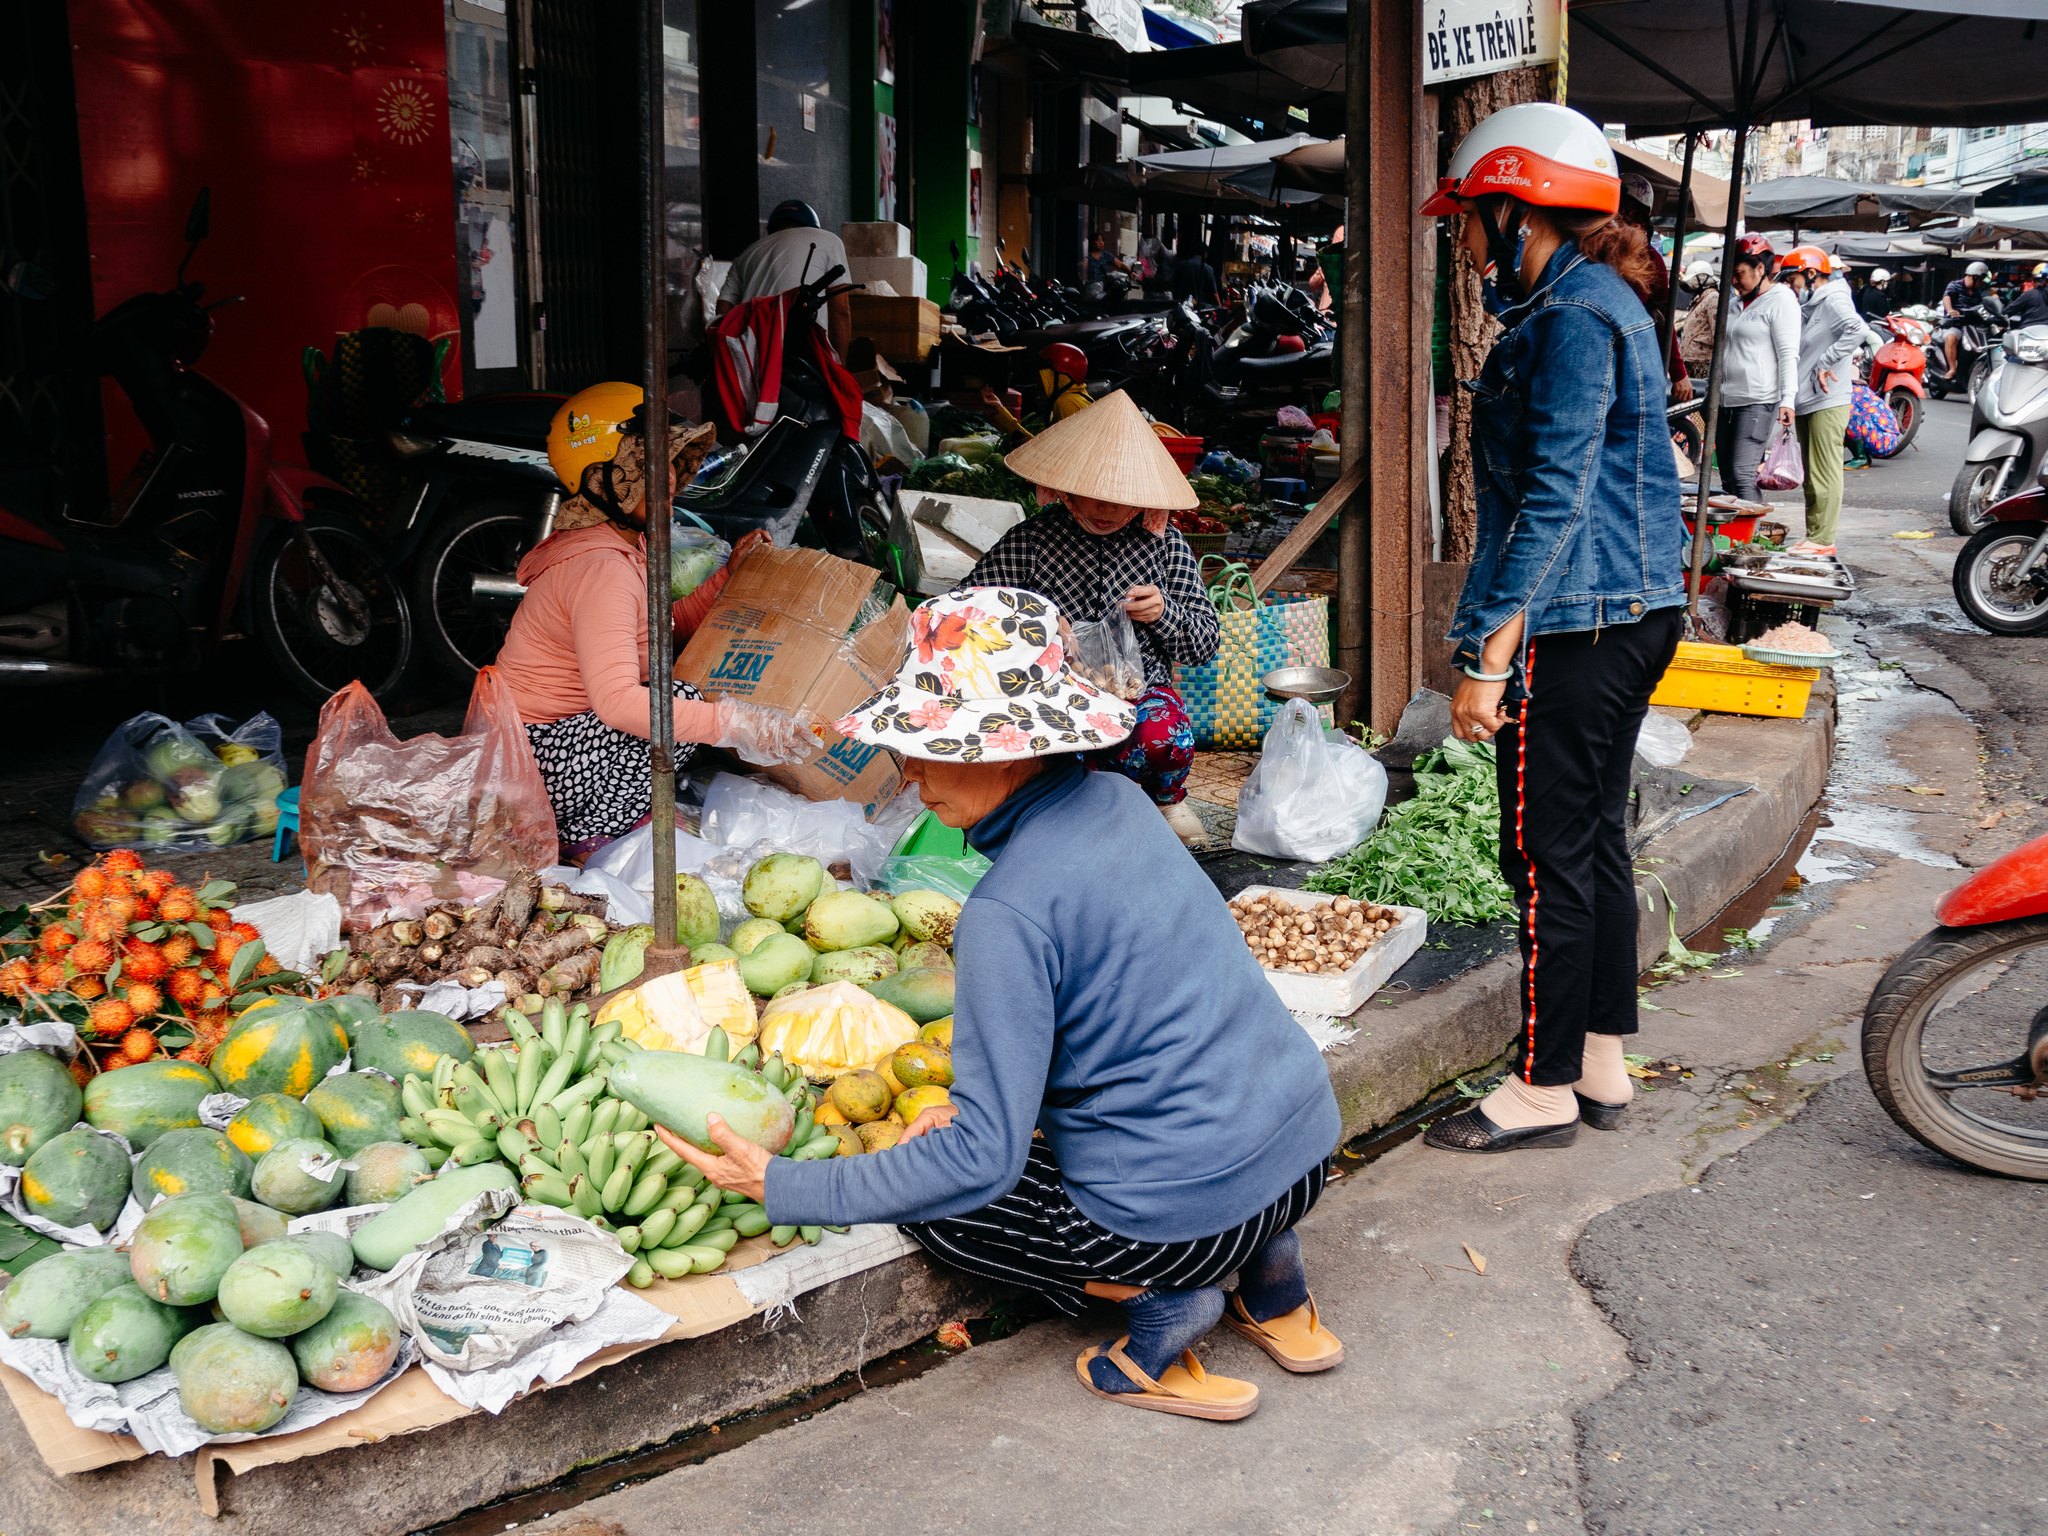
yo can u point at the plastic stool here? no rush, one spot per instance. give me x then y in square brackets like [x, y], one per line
[1281, 488]
[287, 823]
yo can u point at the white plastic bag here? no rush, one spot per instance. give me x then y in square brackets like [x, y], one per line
[739, 812]
[1662, 742]
[1310, 797]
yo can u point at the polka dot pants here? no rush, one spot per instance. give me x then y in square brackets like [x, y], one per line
[599, 779]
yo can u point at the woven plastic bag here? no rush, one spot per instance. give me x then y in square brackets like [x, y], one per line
[1310, 797]
[1782, 469]
[175, 788]
[390, 827]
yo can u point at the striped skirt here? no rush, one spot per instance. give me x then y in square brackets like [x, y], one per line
[1035, 1237]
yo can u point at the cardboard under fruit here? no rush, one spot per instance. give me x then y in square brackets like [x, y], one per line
[778, 636]
[1340, 995]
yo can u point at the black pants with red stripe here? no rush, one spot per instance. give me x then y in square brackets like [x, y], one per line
[1563, 765]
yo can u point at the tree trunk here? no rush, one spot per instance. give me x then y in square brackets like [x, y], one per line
[1472, 329]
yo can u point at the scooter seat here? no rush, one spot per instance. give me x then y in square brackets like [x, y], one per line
[516, 420]
[1285, 365]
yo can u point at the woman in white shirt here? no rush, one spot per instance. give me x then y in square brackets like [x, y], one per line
[1759, 366]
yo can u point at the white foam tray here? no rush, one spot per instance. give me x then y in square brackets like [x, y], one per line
[1342, 994]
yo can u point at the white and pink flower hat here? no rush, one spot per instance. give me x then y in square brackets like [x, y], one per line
[986, 681]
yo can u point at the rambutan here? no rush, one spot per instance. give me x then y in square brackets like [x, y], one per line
[178, 948]
[218, 919]
[49, 976]
[92, 883]
[143, 961]
[268, 966]
[81, 1068]
[55, 939]
[86, 988]
[16, 976]
[246, 932]
[99, 921]
[137, 1045]
[154, 882]
[112, 1017]
[121, 861]
[224, 947]
[213, 996]
[196, 1053]
[145, 908]
[213, 1022]
[144, 999]
[186, 986]
[122, 906]
[92, 957]
[177, 905]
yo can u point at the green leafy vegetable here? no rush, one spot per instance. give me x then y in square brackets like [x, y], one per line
[1439, 851]
[993, 480]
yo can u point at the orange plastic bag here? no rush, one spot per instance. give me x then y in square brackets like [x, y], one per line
[392, 827]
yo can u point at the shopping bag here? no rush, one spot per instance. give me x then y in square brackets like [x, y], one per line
[390, 827]
[185, 788]
[1225, 702]
[1107, 655]
[1314, 794]
[1782, 469]
[1873, 428]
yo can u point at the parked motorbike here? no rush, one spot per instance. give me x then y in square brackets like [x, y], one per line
[2008, 429]
[2000, 577]
[1977, 331]
[1897, 374]
[1955, 1040]
[208, 528]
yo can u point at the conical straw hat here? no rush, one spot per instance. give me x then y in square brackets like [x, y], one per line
[1109, 452]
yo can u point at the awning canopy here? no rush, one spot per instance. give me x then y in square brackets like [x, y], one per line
[1663, 66]
[1203, 169]
[1301, 40]
[1709, 193]
[1823, 202]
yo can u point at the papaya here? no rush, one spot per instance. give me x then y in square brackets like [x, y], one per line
[280, 1183]
[270, 1118]
[408, 1041]
[230, 1382]
[277, 1290]
[391, 1234]
[386, 1171]
[144, 1101]
[39, 1101]
[357, 1109]
[124, 1333]
[79, 1179]
[351, 1347]
[848, 920]
[924, 995]
[260, 1224]
[287, 1048]
[49, 1297]
[679, 1091]
[353, 1012]
[191, 1162]
[182, 1248]
[330, 1248]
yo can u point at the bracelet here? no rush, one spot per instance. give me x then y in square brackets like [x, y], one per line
[1487, 677]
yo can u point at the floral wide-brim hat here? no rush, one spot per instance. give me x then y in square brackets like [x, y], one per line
[986, 681]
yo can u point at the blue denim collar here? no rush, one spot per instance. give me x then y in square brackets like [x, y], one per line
[1562, 260]
[1057, 780]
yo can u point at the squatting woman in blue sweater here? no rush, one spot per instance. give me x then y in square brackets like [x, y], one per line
[1186, 1118]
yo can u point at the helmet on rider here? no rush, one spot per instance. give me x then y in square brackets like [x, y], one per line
[1805, 258]
[794, 214]
[2040, 269]
[1533, 154]
[1065, 359]
[1879, 275]
[1976, 269]
[1699, 276]
[587, 432]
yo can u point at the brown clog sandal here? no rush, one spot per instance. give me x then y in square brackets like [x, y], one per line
[1297, 1340]
[1185, 1388]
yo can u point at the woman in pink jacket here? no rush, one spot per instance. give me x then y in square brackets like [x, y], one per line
[576, 654]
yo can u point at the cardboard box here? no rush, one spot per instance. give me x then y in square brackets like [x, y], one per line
[874, 240]
[778, 636]
[976, 521]
[903, 329]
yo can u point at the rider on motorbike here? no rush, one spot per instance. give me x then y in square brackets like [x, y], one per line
[2031, 307]
[1966, 293]
[1064, 379]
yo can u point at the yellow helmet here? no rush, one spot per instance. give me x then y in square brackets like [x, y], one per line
[588, 428]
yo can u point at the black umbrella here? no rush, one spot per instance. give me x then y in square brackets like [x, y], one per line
[1823, 202]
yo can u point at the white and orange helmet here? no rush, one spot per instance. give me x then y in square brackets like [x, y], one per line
[1538, 152]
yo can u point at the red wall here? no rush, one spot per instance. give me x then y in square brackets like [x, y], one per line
[324, 135]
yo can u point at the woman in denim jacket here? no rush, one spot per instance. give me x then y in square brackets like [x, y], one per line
[1573, 605]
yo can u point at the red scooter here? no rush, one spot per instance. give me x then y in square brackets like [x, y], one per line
[207, 529]
[1898, 374]
[1955, 1037]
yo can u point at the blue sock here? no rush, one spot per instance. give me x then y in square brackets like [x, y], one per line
[1273, 1282]
[1161, 1324]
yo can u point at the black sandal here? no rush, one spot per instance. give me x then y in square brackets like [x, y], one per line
[1470, 1130]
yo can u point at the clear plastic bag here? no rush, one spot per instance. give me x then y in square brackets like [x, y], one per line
[1782, 468]
[1310, 797]
[694, 556]
[932, 872]
[1662, 742]
[1107, 655]
[740, 812]
[391, 826]
[175, 788]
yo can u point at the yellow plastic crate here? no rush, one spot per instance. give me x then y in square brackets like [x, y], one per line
[1721, 678]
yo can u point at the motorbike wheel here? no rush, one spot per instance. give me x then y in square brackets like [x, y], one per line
[1980, 374]
[1906, 410]
[1952, 1028]
[1969, 498]
[486, 538]
[1991, 592]
[308, 628]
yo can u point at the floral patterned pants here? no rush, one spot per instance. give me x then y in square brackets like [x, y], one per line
[1159, 751]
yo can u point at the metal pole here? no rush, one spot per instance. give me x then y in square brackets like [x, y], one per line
[1700, 533]
[1678, 245]
[1354, 576]
[664, 954]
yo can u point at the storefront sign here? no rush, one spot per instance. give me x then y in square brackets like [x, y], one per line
[1463, 38]
[1123, 20]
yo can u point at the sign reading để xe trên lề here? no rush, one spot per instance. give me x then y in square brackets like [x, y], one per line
[1463, 38]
